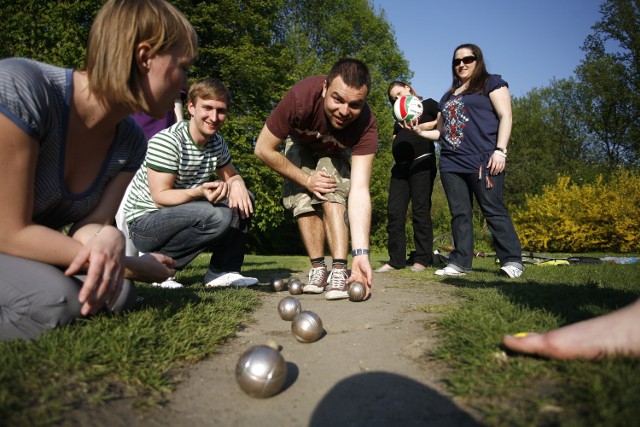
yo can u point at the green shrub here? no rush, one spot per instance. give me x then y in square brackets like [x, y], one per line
[568, 217]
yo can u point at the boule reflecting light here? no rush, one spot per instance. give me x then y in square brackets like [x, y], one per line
[261, 371]
[277, 284]
[295, 286]
[288, 308]
[306, 326]
[357, 291]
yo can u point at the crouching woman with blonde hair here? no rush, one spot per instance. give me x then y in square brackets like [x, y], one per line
[69, 149]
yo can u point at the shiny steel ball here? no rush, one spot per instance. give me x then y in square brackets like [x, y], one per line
[307, 326]
[278, 285]
[295, 286]
[294, 280]
[261, 371]
[288, 308]
[357, 291]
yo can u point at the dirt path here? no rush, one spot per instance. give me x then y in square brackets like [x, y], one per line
[368, 370]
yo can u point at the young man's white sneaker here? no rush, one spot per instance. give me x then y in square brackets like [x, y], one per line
[449, 271]
[170, 283]
[337, 284]
[231, 279]
[510, 270]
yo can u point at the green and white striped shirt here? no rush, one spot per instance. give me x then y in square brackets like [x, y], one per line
[174, 151]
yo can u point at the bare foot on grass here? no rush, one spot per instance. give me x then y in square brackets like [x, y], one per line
[385, 268]
[614, 334]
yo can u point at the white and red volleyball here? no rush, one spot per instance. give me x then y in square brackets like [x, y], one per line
[407, 108]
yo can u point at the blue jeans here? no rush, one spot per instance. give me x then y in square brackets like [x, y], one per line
[460, 189]
[183, 232]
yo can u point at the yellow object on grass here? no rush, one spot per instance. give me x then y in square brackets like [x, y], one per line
[554, 262]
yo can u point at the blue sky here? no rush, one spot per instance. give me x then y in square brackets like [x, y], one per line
[528, 42]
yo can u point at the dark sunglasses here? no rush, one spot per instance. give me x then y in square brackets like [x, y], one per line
[467, 60]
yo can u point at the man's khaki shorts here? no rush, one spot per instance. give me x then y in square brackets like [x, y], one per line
[338, 165]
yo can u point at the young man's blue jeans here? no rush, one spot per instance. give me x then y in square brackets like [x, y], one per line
[460, 189]
[183, 232]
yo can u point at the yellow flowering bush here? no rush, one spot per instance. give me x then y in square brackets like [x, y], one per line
[568, 217]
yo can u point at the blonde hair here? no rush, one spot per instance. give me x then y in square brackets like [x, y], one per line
[119, 27]
[209, 88]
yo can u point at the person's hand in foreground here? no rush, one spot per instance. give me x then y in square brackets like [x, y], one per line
[104, 255]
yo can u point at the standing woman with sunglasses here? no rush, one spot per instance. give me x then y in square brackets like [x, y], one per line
[68, 148]
[475, 126]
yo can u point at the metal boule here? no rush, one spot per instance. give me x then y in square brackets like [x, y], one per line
[261, 371]
[289, 307]
[295, 286]
[278, 284]
[306, 327]
[357, 291]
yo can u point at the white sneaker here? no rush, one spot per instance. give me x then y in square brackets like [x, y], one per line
[511, 271]
[170, 283]
[231, 279]
[337, 286]
[449, 271]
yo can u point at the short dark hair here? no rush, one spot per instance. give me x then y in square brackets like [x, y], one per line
[353, 72]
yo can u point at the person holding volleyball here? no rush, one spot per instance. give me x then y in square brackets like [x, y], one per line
[412, 178]
[69, 149]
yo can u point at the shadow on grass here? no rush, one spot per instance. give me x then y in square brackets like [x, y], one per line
[191, 278]
[263, 271]
[570, 300]
[173, 300]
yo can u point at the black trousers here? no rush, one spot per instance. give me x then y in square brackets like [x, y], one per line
[411, 183]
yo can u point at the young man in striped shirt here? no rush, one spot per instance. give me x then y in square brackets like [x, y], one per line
[188, 197]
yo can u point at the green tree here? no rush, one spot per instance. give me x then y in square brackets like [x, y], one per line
[53, 31]
[620, 24]
[611, 73]
[241, 44]
[309, 37]
[546, 139]
[258, 48]
[607, 111]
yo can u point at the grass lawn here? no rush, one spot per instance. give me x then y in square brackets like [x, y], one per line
[140, 355]
[513, 390]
